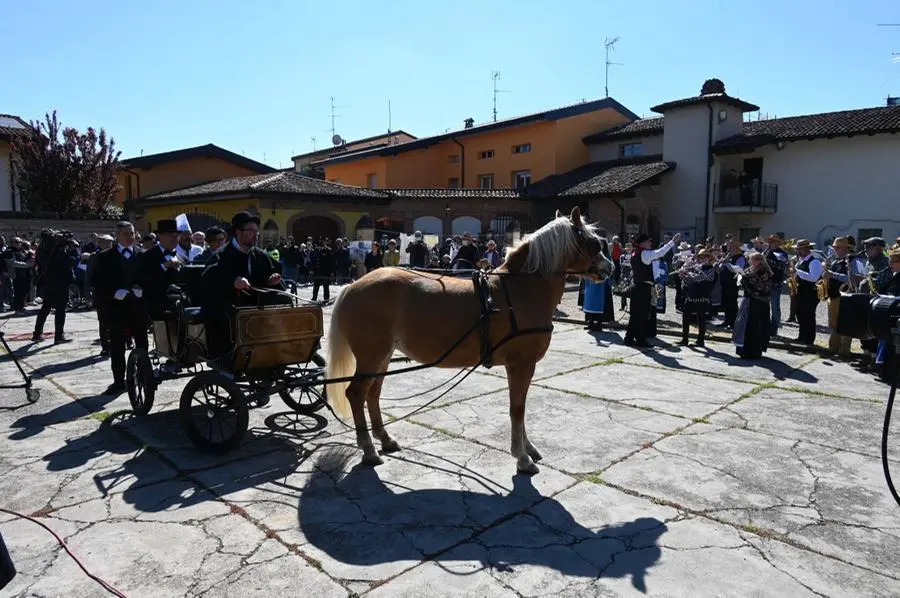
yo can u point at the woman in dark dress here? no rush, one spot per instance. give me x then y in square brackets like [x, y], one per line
[751, 328]
[697, 279]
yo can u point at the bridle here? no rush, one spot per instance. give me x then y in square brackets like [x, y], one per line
[586, 248]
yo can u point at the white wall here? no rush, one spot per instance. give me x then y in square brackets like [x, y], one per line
[685, 142]
[6, 188]
[602, 152]
[832, 187]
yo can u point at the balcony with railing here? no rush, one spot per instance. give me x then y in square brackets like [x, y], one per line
[755, 196]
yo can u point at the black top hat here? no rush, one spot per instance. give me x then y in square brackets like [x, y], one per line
[166, 226]
[641, 238]
[242, 218]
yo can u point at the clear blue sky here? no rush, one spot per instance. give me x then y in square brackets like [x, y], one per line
[256, 76]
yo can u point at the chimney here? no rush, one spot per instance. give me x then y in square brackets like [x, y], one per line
[893, 101]
[470, 122]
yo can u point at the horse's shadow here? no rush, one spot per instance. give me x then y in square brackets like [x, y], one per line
[356, 519]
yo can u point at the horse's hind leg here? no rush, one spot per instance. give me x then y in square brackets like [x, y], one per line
[519, 376]
[356, 395]
[388, 444]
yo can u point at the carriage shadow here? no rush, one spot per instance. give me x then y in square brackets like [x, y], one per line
[358, 519]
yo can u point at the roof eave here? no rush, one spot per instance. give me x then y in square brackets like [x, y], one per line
[597, 138]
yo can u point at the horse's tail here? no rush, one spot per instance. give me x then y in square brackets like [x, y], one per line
[341, 362]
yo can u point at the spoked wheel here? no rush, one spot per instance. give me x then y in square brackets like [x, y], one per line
[308, 398]
[140, 382]
[213, 412]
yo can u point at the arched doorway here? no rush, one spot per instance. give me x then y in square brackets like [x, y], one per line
[465, 224]
[429, 225]
[315, 227]
[270, 232]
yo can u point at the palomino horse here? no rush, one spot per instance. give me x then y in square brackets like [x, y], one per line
[424, 315]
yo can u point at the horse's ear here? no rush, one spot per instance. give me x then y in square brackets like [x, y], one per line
[558, 214]
[575, 216]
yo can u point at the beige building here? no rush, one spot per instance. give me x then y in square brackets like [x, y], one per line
[815, 176]
[10, 127]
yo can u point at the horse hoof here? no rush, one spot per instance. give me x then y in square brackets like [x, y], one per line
[531, 469]
[535, 455]
[372, 460]
[391, 446]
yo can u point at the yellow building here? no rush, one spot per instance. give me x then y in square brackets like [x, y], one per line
[158, 173]
[505, 154]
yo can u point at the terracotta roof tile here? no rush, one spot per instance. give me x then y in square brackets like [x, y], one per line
[643, 127]
[280, 182]
[612, 177]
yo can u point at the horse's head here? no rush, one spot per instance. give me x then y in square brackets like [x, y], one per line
[590, 259]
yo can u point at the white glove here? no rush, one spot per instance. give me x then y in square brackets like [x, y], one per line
[138, 292]
[120, 294]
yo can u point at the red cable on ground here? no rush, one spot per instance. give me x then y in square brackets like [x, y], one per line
[104, 584]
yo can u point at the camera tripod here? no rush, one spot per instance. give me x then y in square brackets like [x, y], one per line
[31, 393]
[887, 417]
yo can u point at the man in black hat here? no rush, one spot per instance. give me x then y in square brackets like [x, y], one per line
[639, 320]
[158, 268]
[116, 284]
[230, 278]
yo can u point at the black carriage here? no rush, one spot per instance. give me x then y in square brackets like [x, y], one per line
[276, 352]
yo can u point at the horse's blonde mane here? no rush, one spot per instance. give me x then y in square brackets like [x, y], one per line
[549, 246]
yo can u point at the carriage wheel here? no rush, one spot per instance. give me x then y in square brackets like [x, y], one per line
[308, 398]
[139, 381]
[213, 412]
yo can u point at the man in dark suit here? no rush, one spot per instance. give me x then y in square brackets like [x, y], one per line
[230, 278]
[56, 266]
[117, 285]
[158, 268]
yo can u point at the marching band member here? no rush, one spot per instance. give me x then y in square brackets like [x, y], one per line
[809, 271]
[751, 328]
[642, 320]
[698, 277]
[886, 359]
[625, 273]
[844, 269]
[778, 261]
[680, 260]
[878, 274]
[728, 276]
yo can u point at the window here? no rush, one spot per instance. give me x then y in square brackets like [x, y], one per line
[453, 159]
[486, 154]
[867, 233]
[627, 150]
[371, 180]
[520, 179]
[486, 181]
[522, 148]
[453, 183]
[128, 191]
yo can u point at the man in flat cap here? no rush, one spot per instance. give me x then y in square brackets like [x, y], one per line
[230, 279]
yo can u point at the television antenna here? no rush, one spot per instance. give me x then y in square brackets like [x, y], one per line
[496, 75]
[610, 45]
[313, 139]
[333, 116]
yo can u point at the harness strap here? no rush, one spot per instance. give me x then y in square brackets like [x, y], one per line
[486, 303]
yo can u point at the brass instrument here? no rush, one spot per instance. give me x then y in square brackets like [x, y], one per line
[822, 283]
[792, 279]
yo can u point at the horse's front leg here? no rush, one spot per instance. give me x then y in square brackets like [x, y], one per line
[519, 376]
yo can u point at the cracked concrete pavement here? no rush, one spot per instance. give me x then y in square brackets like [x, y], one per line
[669, 472]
